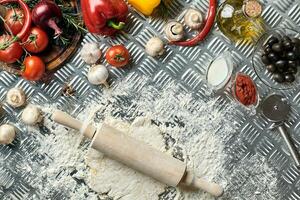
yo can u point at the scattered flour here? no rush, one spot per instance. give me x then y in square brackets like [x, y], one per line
[64, 167]
[252, 179]
[192, 130]
[118, 181]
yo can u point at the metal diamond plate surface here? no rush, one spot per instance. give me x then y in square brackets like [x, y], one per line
[187, 66]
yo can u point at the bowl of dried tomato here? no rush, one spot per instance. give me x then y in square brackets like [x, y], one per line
[276, 59]
[244, 90]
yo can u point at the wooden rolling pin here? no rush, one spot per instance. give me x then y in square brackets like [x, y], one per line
[138, 155]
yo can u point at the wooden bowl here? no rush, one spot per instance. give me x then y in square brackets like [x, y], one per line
[54, 56]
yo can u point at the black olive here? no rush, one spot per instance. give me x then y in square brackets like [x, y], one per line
[289, 78]
[280, 64]
[291, 55]
[283, 55]
[292, 70]
[271, 68]
[272, 57]
[288, 45]
[292, 63]
[265, 59]
[267, 50]
[281, 69]
[278, 77]
[296, 50]
[286, 38]
[272, 40]
[296, 41]
[277, 47]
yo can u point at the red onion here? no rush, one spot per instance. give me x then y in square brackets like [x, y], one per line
[46, 14]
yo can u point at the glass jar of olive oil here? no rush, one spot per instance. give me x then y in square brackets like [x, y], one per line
[241, 20]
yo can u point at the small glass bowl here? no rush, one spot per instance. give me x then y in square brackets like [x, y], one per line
[233, 91]
[228, 58]
[260, 68]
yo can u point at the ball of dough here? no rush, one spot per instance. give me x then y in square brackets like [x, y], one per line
[7, 134]
[31, 115]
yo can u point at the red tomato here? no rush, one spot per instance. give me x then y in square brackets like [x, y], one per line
[117, 56]
[14, 20]
[36, 41]
[34, 68]
[10, 51]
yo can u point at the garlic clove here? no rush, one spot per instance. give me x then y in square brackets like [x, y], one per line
[15, 97]
[7, 134]
[155, 47]
[90, 53]
[97, 75]
[193, 19]
[174, 31]
[31, 115]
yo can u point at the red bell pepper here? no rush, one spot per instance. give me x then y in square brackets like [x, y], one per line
[104, 17]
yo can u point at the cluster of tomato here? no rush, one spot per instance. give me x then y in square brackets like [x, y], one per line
[34, 41]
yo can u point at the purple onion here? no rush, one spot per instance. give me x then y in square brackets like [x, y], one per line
[46, 14]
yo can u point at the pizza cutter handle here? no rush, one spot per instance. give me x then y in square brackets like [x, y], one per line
[290, 144]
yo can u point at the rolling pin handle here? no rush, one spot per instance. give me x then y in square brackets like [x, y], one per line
[123, 148]
[190, 180]
[68, 121]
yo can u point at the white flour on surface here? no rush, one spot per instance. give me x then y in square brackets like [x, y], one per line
[256, 180]
[192, 130]
[195, 126]
[118, 181]
[64, 166]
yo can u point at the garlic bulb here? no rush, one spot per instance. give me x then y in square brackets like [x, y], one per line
[174, 31]
[15, 97]
[90, 53]
[7, 134]
[31, 115]
[193, 18]
[97, 75]
[155, 47]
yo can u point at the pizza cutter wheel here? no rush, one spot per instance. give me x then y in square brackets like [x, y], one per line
[276, 110]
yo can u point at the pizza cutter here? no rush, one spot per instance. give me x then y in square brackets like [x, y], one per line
[276, 110]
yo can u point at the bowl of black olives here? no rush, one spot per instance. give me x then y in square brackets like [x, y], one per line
[276, 59]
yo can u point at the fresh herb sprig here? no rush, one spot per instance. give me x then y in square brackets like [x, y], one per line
[31, 3]
[74, 20]
[71, 20]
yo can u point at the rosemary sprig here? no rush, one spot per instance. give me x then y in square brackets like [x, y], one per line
[62, 40]
[31, 3]
[74, 20]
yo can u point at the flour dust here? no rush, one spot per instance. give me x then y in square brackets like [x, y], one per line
[176, 122]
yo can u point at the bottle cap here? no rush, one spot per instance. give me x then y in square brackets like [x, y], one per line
[252, 8]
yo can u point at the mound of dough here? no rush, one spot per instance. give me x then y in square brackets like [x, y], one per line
[118, 181]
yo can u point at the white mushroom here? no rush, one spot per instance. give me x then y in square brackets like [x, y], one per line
[174, 31]
[31, 115]
[15, 97]
[193, 18]
[155, 47]
[90, 53]
[7, 134]
[97, 75]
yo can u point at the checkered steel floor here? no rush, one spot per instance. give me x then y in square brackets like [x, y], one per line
[186, 65]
